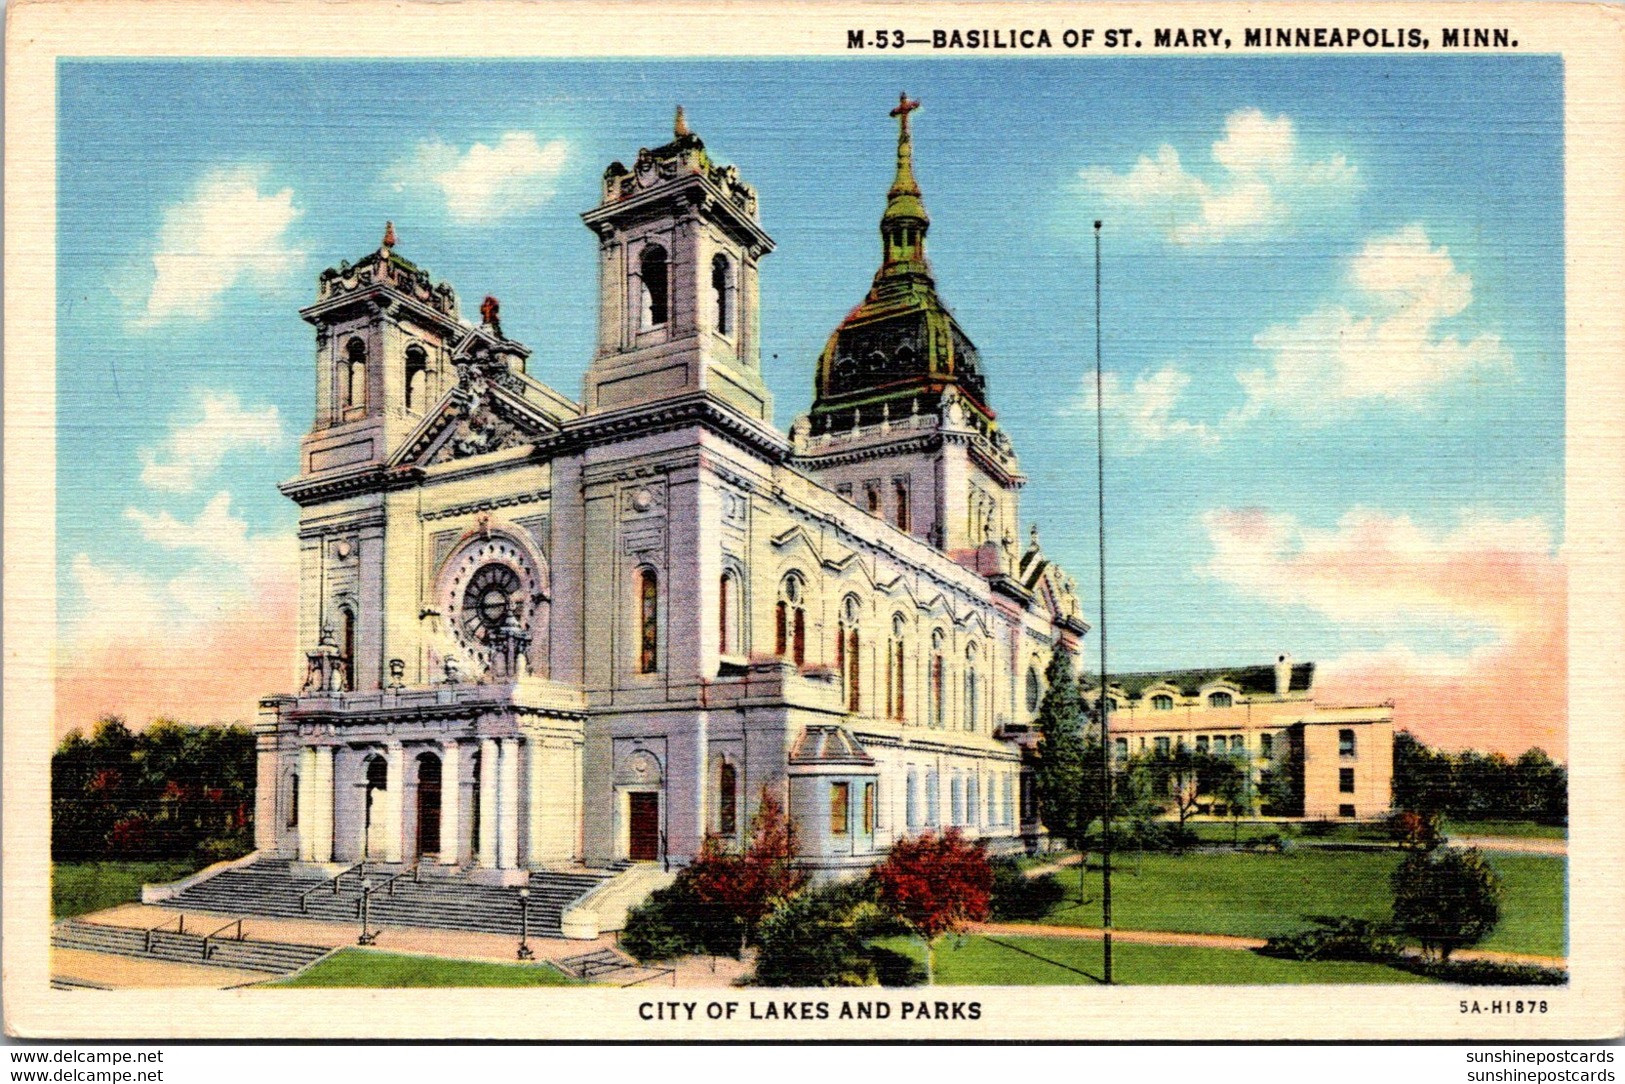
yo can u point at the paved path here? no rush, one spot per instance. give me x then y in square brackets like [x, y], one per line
[110, 972]
[1554, 848]
[1215, 940]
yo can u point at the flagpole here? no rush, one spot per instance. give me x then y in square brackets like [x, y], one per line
[1103, 701]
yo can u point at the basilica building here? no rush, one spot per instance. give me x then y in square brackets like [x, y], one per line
[543, 632]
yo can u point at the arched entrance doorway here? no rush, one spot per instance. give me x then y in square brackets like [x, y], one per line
[428, 804]
[373, 826]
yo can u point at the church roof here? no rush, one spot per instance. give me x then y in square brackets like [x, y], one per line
[900, 349]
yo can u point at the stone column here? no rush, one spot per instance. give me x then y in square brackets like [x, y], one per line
[395, 806]
[308, 784]
[324, 804]
[487, 843]
[508, 805]
[533, 790]
[451, 796]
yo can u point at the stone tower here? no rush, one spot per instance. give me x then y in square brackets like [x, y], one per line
[679, 243]
[384, 336]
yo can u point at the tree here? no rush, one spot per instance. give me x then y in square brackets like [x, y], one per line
[1446, 899]
[1230, 780]
[1280, 782]
[750, 884]
[1182, 778]
[935, 885]
[1064, 768]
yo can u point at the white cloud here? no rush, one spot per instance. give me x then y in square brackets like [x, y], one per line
[485, 182]
[1476, 611]
[1385, 344]
[1144, 415]
[195, 448]
[1485, 574]
[226, 233]
[1263, 182]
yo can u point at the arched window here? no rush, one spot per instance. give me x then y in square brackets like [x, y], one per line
[652, 273]
[1162, 702]
[722, 292]
[355, 374]
[1035, 690]
[904, 519]
[1219, 700]
[648, 585]
[293, 800]
[912, 800]
[729, 605]
[728, 800]
[973, 678]
[417, 377]
[790, 621]
[347, 646]
[936, 710]
[894, 669]
[847, 654]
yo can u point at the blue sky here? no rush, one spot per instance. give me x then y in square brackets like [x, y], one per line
[1333, 296]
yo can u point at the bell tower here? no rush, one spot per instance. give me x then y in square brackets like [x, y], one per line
[679, 241]
[384, 335]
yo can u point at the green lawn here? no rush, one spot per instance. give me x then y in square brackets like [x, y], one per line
[362, 967]
[81, 887]
[1055, 961]
[1511, 829]
[1262, 895]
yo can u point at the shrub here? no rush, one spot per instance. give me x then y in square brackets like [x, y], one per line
[1017, 896]
[675, 922]
[1489, 973]
[1446, 899]
[819, 938]
[1414, 831]
[1337, 938]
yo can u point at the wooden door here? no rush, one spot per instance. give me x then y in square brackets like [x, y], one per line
[429, 805]
[645, 826]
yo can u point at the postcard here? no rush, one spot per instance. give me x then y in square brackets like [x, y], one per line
[813, 522]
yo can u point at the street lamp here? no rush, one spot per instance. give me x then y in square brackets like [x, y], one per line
[524, 925]
[367, 936]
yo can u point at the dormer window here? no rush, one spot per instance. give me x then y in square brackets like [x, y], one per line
[1162, 702]
[1220, 700]
[652, 270]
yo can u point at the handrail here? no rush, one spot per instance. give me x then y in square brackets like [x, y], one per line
[180, 927]
[389, 882]
[210, 936]
[304, 897]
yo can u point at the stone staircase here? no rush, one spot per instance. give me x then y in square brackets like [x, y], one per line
[273, 957]
[440, 901]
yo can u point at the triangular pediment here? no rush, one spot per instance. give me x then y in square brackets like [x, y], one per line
[466, 425]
